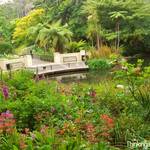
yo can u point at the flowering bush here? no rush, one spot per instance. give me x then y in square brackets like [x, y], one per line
[91, 132]
[51, 115]
[108, 125]
[7, 122]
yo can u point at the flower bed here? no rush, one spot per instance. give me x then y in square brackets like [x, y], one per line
[51, 115]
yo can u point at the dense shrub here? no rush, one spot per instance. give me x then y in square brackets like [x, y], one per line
[49, 114]
[5, 48]
[98, 64]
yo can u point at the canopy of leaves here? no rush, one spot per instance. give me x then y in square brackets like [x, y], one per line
[54, 36]
[88, 20]
[24, 24]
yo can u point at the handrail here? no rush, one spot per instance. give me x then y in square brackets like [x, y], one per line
[53, 64]
[49, 68]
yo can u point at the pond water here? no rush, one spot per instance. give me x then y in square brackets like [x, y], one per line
[91, 77]
[84, 77]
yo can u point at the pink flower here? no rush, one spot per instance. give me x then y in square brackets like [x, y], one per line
[5, 92]
[93, 94]
[7, 114]
[7, 121]
[44, 129]
[105, 134]
[32, 136]
[89, 127]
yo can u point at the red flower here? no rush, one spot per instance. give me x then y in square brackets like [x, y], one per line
[1, 126]
[77, 120]
[105, 134]
[107, 120]
[61, 132]
[26, 130]
[89, 127]
[22, 145]
[90, 132]
[93, 93]
[108, 124]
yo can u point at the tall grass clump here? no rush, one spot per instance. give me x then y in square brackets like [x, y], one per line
[103, 52]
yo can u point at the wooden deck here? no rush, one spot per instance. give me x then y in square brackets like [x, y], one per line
[53, 68]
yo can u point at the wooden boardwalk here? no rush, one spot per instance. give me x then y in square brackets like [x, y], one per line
[53, 68]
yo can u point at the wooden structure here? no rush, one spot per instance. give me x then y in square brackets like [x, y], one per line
[53, 68]
[63, 63]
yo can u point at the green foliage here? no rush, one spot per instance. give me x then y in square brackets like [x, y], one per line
[54, 36]
[76, 46]
[23, 26]
[114, 23]
[46, 56]
[72, 113]
[5, 35]
[20, 79]
[61, 116]
[137, 80]
[5, 48]
[98, 64]
[5, 29]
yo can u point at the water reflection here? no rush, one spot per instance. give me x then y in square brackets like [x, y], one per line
[85, 77]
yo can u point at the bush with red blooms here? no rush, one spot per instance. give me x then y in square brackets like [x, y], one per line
[22, 143]
[93, 93]
[44, 129]
[90, 132]
[7, 122]
[108, 125]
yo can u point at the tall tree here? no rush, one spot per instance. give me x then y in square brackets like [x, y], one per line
[91, 8]
[118, 16]
[54, 36]
[21, 31]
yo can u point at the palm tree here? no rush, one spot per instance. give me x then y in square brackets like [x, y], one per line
[54, 36]
[117, 16]
[91, 8]
[33, 32]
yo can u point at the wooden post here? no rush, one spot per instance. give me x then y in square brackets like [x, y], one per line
[85, 56]
[37, 76]
[51, 67]
[69, 65]
[43, 76]
[1, 75]
[10, 72]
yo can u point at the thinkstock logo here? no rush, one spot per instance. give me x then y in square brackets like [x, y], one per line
[145, 145]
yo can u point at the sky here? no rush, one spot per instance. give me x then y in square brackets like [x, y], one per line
[4, 1]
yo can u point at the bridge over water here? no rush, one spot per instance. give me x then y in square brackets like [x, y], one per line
[53, 68]
[69, 62]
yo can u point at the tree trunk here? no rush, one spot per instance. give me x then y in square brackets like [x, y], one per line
[116, 38]
[92, 43]
[100, 41]
[118, 35]
[97, 41]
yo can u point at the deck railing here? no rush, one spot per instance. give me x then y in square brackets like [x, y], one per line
[50, 68]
